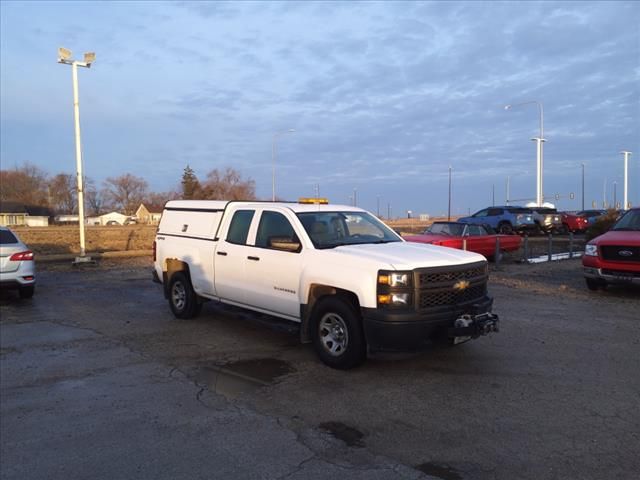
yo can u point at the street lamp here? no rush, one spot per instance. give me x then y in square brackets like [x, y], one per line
[273, 159]
[626, 154]
[64, 56]
[539, 154]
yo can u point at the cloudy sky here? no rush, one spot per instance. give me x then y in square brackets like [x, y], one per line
[383, 96]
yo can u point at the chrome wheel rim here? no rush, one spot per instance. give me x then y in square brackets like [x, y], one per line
[333, 333]
[178, 295]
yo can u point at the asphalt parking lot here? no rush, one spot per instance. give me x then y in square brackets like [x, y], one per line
[98, 380]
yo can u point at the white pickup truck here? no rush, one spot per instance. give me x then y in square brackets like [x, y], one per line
[352, 283]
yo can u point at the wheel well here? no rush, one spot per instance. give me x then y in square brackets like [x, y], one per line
[316, 293]
[171, 266]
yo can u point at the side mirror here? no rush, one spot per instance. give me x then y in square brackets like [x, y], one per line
[285, 244]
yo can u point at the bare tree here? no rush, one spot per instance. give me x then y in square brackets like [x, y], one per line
[94, 198]
[27, 185]
[125, 192]
[63, 193]
[228, 185]
[155, 201]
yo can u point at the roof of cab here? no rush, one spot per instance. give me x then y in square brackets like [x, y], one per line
[221, 204]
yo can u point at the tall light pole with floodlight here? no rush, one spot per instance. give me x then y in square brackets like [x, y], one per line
[539, 154]
[273, 160]
[449, 204]
[64, 56]
[626, 154]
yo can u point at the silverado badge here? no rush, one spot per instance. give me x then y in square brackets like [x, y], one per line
[461, 285]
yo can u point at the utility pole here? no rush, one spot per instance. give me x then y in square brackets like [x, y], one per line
[449, 207]
[615, 194]
[493, 195]
[508, 192]
[355, 197]
[626, 154]
[583, 186]
[388, 211]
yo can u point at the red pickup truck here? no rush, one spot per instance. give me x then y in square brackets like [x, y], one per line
[614, 257]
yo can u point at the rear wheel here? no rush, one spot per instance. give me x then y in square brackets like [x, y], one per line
[505, 228]
[26, 292]
[338, 337]
[182, 299]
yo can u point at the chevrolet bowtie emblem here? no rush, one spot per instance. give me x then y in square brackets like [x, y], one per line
[461, 285]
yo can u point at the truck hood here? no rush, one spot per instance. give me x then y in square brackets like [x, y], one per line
[620, 237]
[407, 256]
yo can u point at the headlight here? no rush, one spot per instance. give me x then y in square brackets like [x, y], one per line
[591, 250]
[399, 299]
[395, 279]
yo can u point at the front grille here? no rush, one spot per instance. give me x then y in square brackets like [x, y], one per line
[438, 298]
[435, 286]
[621, 253]
[424, 279]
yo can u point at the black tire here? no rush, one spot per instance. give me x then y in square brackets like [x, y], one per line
[26, 292]
[564, 230]
[338, 337]
[505, 228]
[594, 284]
[182, 299]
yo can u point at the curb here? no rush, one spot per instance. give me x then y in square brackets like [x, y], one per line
[62, 257]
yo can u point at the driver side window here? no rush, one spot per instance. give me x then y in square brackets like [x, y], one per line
[275, 232]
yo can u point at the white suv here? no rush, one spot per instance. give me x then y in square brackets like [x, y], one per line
[17, 267]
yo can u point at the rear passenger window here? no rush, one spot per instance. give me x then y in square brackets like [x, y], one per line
[7, 237]
[239, 228]
[494, 212]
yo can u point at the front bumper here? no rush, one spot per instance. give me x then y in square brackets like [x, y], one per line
[611, 272]
[386, 330]
[613, 275]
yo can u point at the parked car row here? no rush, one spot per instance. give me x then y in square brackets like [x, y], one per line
[512, 219]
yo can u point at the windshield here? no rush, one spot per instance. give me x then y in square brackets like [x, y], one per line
[333, 229]
[629, 221]
[455, 229]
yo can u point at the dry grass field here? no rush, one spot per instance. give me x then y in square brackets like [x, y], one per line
[66, 239]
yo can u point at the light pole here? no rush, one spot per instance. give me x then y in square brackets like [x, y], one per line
[583, 187]
[273, 161]
[626, 154]
[64, 56]
[378, 205]
[355, 197]
[508, 189]
[539, 154]
[449, 207]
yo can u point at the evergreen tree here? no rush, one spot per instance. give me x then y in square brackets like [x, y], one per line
[190, 184]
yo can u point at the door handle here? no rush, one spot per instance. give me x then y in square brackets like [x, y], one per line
[224, 254]
[254, 258]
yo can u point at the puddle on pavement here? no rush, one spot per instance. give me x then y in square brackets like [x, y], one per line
[244, 376]
[439, 470]
[349, 435]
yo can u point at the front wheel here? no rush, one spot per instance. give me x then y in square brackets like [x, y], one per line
[338, 337]
[26, 292]
[182, 299]
[594, 284]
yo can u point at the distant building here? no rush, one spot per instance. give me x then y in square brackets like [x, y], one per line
[111, 218]
[14, 214]
[143, 215]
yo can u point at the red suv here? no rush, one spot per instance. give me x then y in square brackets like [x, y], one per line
[614, 257]
[572, 222]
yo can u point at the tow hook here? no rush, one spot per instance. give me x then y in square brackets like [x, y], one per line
[468, 326]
